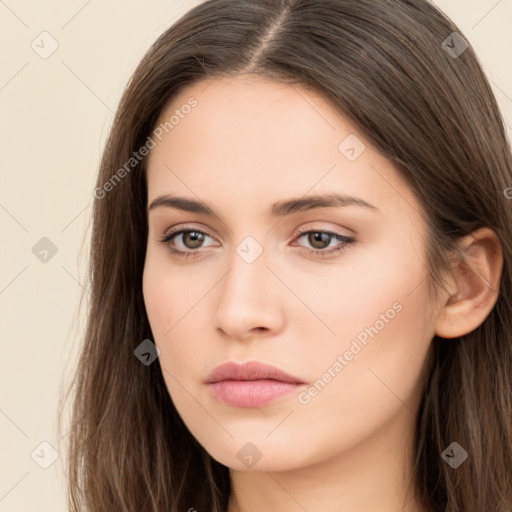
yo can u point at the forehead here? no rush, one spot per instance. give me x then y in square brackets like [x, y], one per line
[267, 140]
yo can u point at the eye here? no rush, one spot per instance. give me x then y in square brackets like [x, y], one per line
[187, 240]
[320, 240]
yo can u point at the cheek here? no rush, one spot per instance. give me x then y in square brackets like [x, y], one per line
[374, 382]
[377, 309]
[169, 293]
[173, 307]
[366, 287]
[173, 302]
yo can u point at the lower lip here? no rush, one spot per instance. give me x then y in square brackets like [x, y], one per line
[251, 393]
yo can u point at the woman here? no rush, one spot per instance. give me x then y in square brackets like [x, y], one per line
[300, 270]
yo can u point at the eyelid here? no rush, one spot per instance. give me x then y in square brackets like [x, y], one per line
[177, 229]
[349, 232]
[180, 229]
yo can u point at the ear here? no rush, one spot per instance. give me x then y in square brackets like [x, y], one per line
[474, 287]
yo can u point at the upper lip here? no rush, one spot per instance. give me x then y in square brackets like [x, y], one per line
[251, 370]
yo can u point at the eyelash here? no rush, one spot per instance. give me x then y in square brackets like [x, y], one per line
[347, 241]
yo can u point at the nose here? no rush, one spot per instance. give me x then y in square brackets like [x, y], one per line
[250, 302]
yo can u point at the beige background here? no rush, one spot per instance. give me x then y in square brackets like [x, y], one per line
[56, 113]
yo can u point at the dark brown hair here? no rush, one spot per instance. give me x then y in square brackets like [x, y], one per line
[383, 64]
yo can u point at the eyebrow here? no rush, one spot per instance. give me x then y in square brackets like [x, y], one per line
[279, 209]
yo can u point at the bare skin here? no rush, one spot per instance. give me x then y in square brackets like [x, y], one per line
[250, 143]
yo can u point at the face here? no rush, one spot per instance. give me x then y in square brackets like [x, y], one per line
[332, 292]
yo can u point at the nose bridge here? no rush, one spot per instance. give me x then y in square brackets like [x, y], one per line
[245, 301]
[247, 275]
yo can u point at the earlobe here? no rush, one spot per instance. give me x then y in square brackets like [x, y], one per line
[476, 280]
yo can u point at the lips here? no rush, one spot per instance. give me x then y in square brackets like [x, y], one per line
[252, 370]
[251, 384]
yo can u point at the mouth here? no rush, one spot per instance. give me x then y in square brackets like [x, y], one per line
[252, 384]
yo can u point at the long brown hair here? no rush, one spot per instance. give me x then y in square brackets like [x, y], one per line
[420, 96]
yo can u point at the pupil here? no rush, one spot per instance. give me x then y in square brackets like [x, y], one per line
[321, 238]
[195, 238]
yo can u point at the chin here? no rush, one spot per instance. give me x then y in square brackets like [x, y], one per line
[257, 456]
